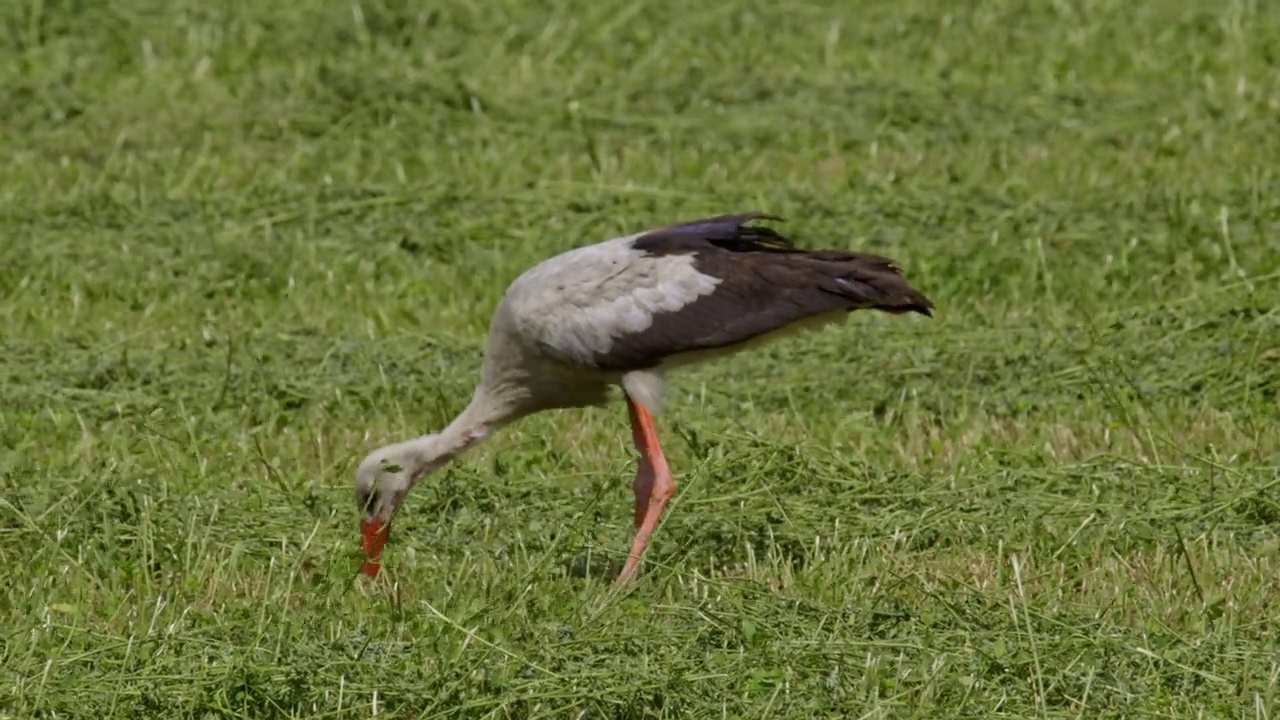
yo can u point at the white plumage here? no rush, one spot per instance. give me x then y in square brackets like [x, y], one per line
[577, 304]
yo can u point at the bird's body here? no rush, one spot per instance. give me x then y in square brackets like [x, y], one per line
[621, 313]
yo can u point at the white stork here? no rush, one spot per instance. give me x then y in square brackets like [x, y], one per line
[622, 313]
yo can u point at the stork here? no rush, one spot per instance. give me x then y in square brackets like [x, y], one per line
[623, 313]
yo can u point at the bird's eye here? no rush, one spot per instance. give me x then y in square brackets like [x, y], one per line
[368, 500]
[388, 466]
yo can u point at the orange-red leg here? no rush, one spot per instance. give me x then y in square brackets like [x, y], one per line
[653, 487]
[643, 487]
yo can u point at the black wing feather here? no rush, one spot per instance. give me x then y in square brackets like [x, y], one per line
[766, 283]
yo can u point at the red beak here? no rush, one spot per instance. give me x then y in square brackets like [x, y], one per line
[374, 536]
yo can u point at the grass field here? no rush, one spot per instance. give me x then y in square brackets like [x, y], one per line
[244, 246]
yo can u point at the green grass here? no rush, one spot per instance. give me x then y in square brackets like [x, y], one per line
[244, 246]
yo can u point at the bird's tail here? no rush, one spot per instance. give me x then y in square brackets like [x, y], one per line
[871, 282]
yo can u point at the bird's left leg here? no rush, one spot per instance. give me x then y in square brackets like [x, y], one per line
[653, 487]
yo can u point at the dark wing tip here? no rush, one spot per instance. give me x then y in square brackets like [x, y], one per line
[912, 300]
[874, 282]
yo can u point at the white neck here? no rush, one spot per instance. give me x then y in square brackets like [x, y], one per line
[501, 397]
[428, 453]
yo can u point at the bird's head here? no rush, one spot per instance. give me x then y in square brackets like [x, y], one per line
[383, 480]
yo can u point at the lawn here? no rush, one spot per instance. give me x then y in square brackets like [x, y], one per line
[243, 246]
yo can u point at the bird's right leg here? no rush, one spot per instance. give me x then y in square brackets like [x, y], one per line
[643, 487]
[653, 487]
